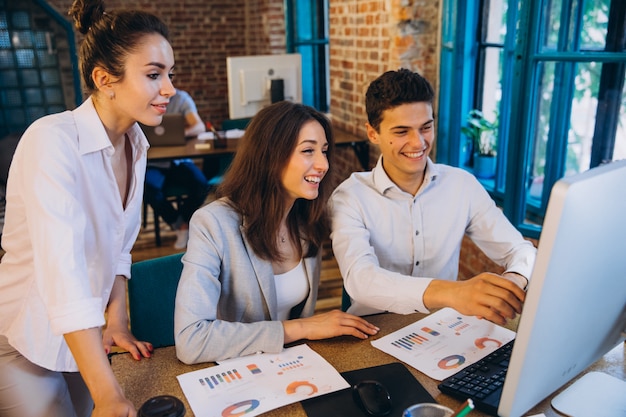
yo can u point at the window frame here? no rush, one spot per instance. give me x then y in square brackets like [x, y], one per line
[313, 34]
[523, 59]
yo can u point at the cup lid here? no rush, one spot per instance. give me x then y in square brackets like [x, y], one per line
[162, 406]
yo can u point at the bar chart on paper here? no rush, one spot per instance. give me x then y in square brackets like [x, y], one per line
[255, 384]
[444, 342]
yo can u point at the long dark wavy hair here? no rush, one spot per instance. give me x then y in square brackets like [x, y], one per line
[110, 36]
[254, 187]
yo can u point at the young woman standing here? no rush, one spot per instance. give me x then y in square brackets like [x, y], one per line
[73, 213]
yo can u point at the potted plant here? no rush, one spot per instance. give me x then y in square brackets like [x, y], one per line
[482, 134]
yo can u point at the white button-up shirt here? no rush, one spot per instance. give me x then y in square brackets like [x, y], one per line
[390, 244]
[67, 234]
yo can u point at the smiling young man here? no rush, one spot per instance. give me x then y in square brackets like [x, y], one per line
[397, 230]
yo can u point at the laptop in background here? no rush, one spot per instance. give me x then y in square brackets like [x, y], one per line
[171, 131]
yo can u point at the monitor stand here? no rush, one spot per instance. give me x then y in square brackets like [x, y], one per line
[595, 394]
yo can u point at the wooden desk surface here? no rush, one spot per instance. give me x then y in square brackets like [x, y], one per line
[157, 375]
[193, 149]
[343, 138]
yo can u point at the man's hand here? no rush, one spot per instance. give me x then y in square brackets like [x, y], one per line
[486, 295]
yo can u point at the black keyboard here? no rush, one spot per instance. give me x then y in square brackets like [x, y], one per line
[482, 381]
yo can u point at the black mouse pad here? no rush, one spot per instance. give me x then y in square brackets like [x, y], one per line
[403, 388]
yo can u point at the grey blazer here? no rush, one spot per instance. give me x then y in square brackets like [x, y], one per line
[226, 299]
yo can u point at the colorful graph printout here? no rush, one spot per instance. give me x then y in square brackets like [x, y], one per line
[444, 342]
[255, 384]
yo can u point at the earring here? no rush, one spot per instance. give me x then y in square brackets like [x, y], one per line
[112, 95]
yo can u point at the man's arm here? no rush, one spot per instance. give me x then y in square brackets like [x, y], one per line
[194, 124]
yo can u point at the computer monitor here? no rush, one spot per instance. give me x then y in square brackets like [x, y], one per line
[256, 81]
[575, 308]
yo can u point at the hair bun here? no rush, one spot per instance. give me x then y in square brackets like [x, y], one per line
[85, 13]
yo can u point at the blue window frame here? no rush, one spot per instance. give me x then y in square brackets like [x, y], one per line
[551, 74]
[307, 34]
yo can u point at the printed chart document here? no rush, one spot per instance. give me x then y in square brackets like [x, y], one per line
[444, 342]
[255, 384]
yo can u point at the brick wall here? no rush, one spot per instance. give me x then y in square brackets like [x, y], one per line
[474, 261]
[367, 38]
[204, 33]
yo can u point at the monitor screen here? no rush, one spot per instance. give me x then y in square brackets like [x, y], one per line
[256, 81]
[575, 308]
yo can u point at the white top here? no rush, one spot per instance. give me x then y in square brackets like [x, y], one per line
[66, 235]
[384, 238]
[292, 288]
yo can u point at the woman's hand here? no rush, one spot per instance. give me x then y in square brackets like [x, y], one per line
[116, 332]
[116, 407]
[326, 325]
[120, 336]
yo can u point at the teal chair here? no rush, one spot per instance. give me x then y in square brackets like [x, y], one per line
[151, 298]
[346, 302]
[230, 124]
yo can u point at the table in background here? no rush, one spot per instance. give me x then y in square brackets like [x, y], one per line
[359, 145]
[194, 148]
[157, 375]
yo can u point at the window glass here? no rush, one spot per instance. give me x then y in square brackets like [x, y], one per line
[7, 60]
[496, 26]
[583, 117]
[542, 129]
[5, 41]
[595, 24]
[25, 58]
[620, 138]
[20, 20]
[22, 39]
[492, 84]
[553, 25]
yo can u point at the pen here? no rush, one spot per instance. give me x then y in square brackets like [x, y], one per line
[467, 406]
[219, 141]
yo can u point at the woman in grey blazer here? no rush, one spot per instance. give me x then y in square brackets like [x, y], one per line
[252, 268]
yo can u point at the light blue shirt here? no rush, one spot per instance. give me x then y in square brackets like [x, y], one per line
[390, 244]
[181, 103]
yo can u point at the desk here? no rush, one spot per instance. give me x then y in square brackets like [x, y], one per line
[193, 149]
[361, 146]
[198, 148]
[157, 375]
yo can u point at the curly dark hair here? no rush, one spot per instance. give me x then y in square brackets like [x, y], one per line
[392, 89]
